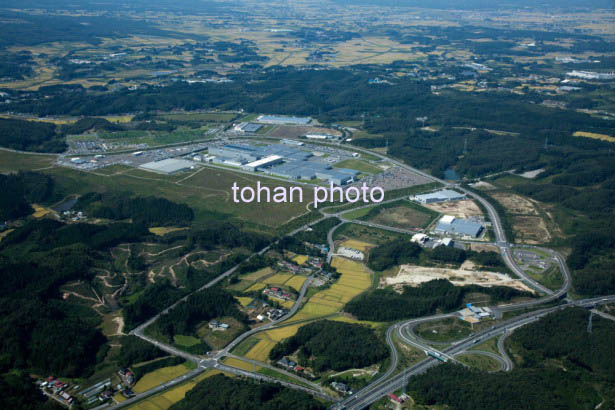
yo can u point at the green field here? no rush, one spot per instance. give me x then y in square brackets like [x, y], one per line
[201, 116]
[359, 165]
[444, 330]
[479, 361]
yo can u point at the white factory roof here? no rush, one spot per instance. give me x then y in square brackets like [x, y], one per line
[264, 161]
[447, 219]
[168, 166]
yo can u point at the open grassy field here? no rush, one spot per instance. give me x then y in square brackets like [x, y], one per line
[207, 191]
[359, 165]
[479, 361]
[201, 116]
[244, 301]
[359, 245]
[186, 341]
[348, 319]
[257, 286]
[444, 330]
[14, 161]
[40, 211]
[157, 377]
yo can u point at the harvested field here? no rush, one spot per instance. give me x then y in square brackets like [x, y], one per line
[240, 364]
[531, 230]
[163, 230]
[281, 333]
[244, 301]
[300, 259]
[594, 135]
[516, 204]
[414, 275]
[462, 209]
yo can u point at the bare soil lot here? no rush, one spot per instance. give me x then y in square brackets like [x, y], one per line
[462, 209]
[414, 275]
[531, 229]
[516, 204]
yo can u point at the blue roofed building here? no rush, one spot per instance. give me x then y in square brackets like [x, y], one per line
[460, 227]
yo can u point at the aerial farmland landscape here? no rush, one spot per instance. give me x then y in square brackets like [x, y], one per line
[310, 204]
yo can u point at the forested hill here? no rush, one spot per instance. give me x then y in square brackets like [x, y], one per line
[31, 136]
[220, 392]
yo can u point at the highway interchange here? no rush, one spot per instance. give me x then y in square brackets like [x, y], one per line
[388, 381]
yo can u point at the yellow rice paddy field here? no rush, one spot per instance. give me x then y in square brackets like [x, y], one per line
[167, 399]
[256, 286]
[240, 364]
[40, 211]
[300, 259]
[595, 136]
[244, 301]
[278, 279]
[261, 350]
[159, 376]
[296, 282]
[163, 230]
[261, 273]
[359, 245]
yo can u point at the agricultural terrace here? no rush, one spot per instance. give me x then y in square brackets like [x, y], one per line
[267, 340]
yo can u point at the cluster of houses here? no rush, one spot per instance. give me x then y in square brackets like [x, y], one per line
[271, 314]
[399, 399]
[217, 325]
[294, 268]
[74, 215]
[58, 388]
[278, 293]
[292, 365]
[351, 253]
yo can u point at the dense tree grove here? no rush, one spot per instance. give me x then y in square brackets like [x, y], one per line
[30, 136]
[230, 236]
[393, 253]
[20, 190]
[386, 304]
[153, 300]
[220, 392]
[136, 350]
[18, 392]
[461, 388]
[199, 307]
[150, 211]
[326, 344]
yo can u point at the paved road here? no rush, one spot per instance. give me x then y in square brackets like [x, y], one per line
[503, 352]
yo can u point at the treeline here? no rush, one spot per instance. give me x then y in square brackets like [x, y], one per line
[18, 392]
[384, 305]
[230, 236]
[31, 136]
[135, 350]
[220, 392]
[20, 190]
[563, 336]
[326, 344]
[199, 307]
[401, 251]
[149, 211]
[460, 388]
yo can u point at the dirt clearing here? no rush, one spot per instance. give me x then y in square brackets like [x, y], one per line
[516, 204]
[414, 275]
[531, 230]
[461, 209]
